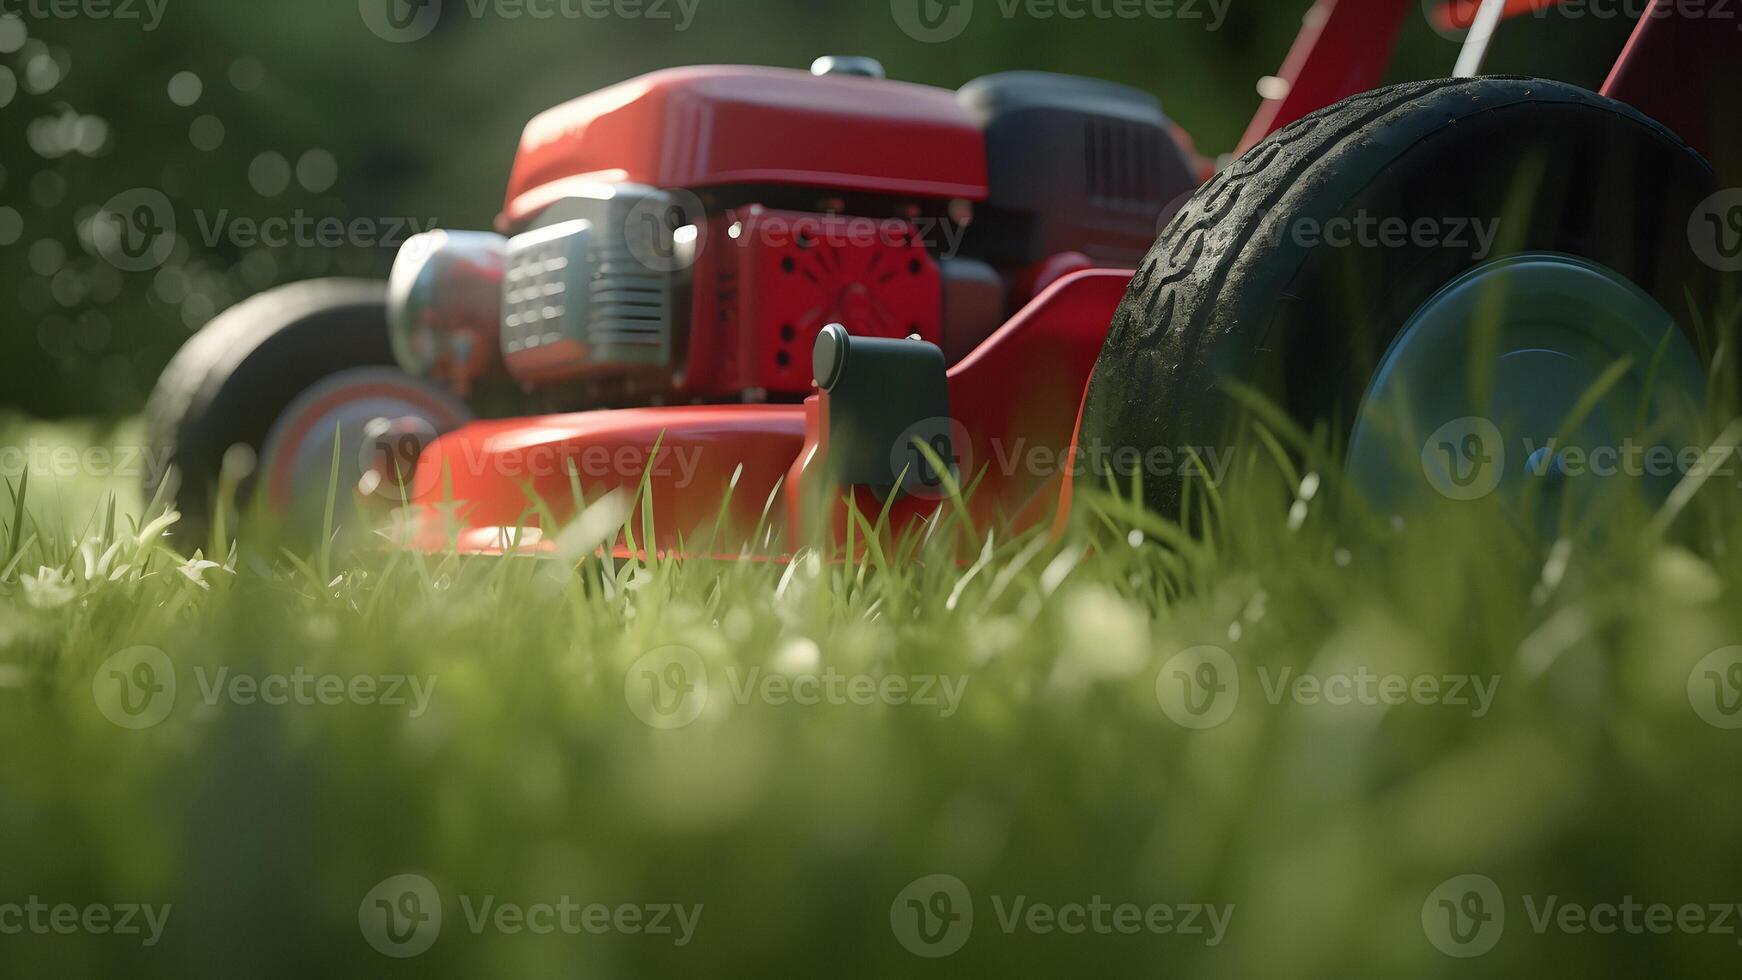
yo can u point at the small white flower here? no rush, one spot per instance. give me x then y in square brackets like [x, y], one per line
[797, 656]
[1103, 637]
[195, 569]
[48, 588]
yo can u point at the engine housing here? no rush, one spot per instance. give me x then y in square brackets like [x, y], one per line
[768, 281]
[583, 292]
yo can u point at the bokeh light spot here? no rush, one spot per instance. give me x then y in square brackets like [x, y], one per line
[269, 174]
[247, 73]
[47, 256]
[317, 170]
[206, 132]
[185, 88]
[41, 73]
[12, 33]
[171, 284]
[93, 135]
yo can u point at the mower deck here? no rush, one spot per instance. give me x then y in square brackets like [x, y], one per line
[498, 486]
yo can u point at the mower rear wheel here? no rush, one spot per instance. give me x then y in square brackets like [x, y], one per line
[233, 383]
[1296, 270]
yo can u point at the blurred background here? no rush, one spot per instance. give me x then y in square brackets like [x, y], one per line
[239, 111]
[529, 779]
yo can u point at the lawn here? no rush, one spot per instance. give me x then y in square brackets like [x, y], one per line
[1277, 746]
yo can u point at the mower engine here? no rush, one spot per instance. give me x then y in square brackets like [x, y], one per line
[687, 235]
[784, 275]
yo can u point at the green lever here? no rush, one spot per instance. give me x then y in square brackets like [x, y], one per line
[884, 395]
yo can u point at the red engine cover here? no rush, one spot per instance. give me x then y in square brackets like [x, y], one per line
[767, 282]
[711, 126]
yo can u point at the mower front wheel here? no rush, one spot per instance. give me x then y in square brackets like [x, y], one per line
[1474, 253]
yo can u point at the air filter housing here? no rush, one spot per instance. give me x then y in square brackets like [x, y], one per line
[588, 292]
[1075, 165]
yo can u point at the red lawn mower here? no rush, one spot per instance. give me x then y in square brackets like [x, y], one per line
[775, 288]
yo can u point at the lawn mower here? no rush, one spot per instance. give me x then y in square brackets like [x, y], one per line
[767, 299]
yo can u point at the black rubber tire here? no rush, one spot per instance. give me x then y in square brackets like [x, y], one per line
[1222, 295]
[230, 381]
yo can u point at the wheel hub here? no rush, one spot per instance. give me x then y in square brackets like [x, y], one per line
[1500, 383]
[381, 419]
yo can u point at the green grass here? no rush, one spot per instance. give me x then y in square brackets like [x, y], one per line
[1058, 776]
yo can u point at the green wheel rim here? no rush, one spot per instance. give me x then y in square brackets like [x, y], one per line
[1496, 385]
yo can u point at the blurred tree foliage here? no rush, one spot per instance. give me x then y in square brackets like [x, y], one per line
[245, 110]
